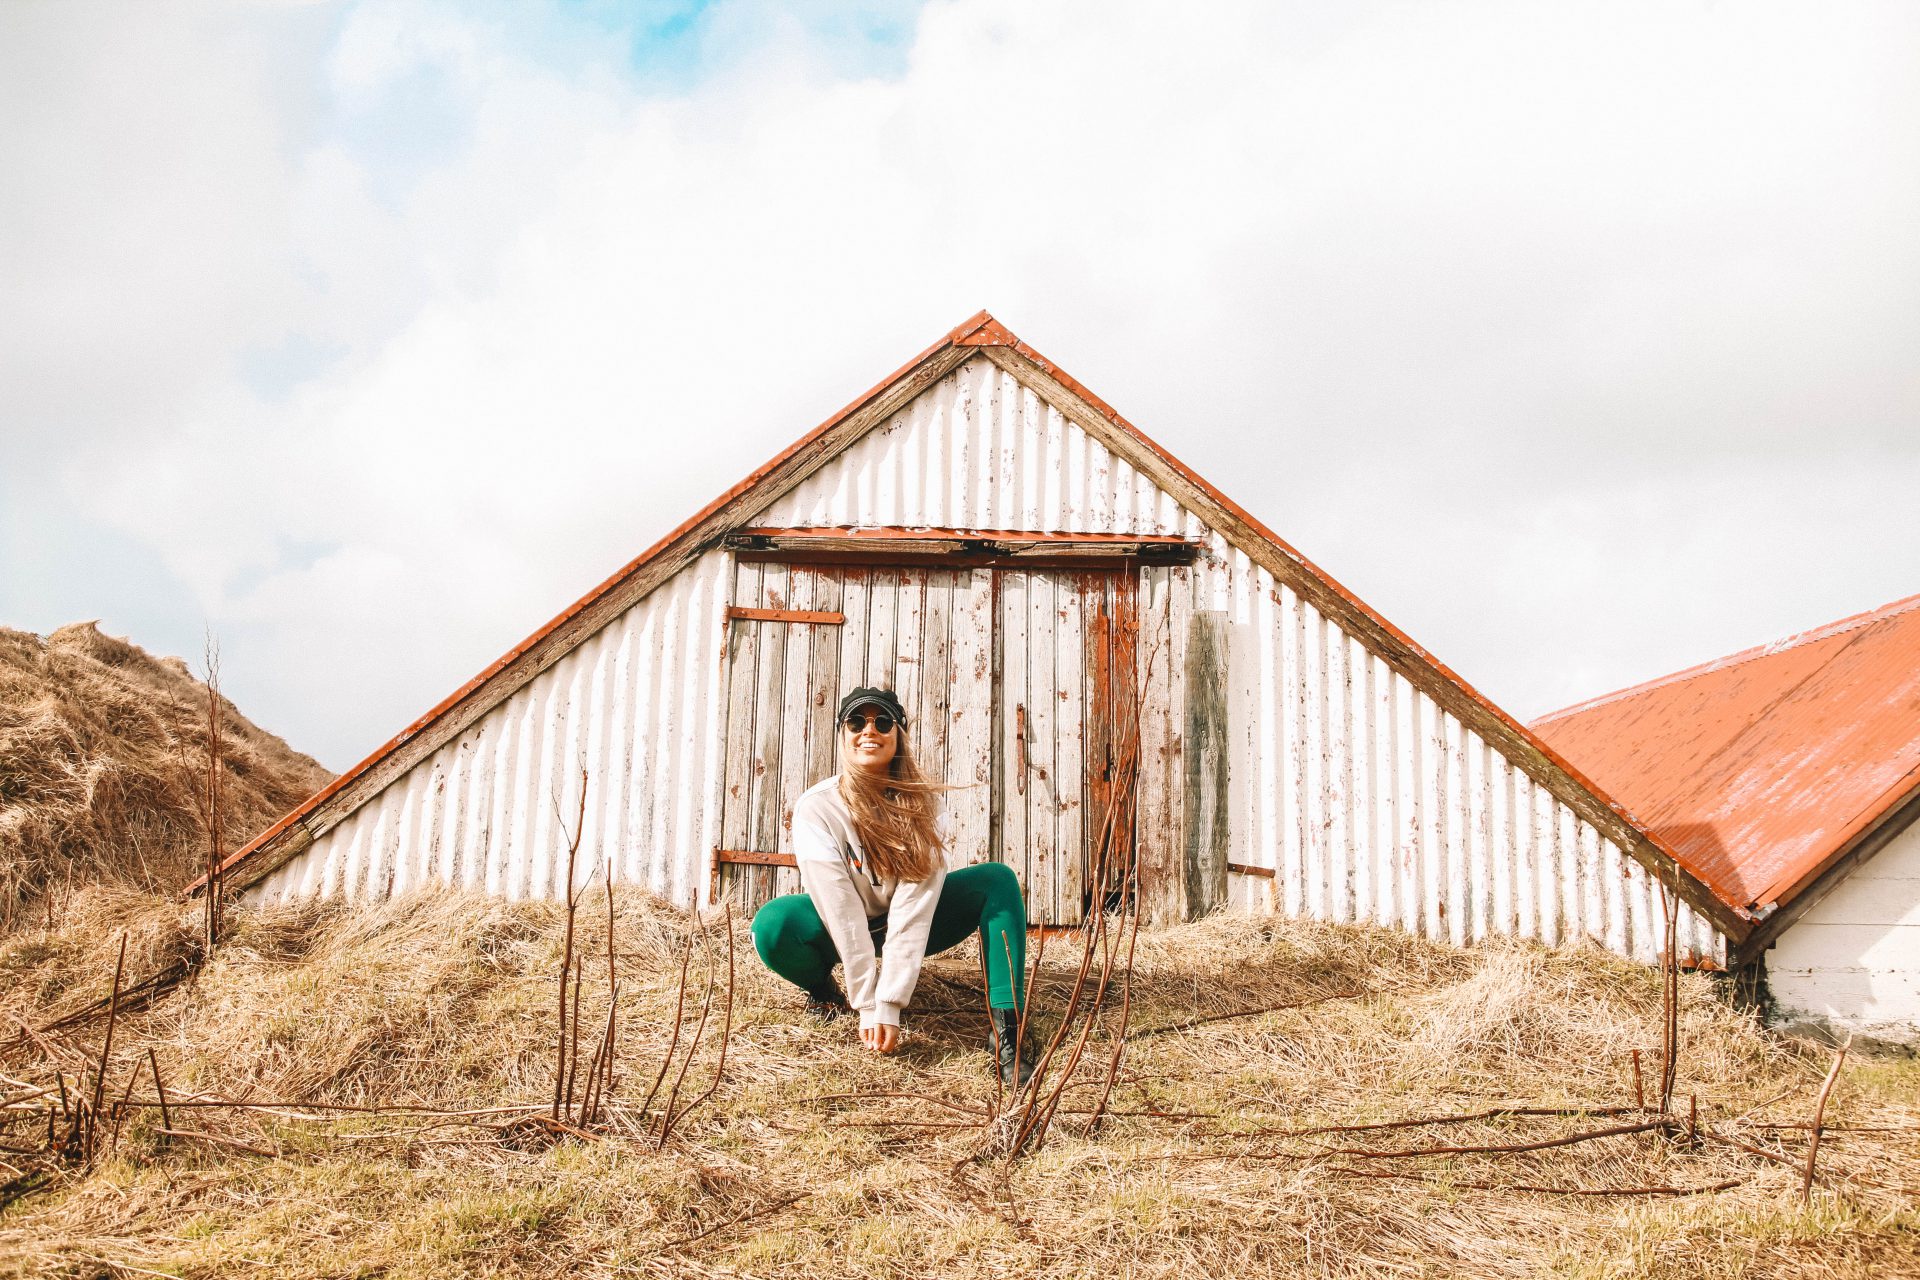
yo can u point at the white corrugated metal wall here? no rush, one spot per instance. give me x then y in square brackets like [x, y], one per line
[1363, 796]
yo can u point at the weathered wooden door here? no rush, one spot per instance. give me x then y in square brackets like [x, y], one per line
[799, 636]
[1064, 723]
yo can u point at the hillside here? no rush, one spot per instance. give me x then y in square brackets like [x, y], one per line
[1294, 1099]
[103, 753]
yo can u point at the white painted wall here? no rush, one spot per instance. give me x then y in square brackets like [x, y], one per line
[1853, 961]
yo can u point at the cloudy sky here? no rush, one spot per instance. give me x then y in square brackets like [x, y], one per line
[1579, 339]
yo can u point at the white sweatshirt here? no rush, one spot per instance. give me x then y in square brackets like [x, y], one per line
[852, 901]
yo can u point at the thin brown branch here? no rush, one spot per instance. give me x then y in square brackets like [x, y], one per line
[1421, 1122]
[693, 1047]
[1819, 1114]
[892, 1093]
[106, 1044]
[219, 1141]
[726, 1026]
[1543, 1144]
[735, 1221]
[679, 1009]
[1536, 1189]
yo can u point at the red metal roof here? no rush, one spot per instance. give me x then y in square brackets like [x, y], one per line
[1760, 767]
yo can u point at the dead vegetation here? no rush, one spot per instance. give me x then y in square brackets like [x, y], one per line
[1293, 1099]
[103, 770]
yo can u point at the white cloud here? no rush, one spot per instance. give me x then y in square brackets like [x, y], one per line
[1552, 331]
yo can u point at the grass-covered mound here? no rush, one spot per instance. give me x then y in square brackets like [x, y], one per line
[815, 1158]
[103, 770]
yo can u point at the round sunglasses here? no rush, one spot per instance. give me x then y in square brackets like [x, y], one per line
[858, 720]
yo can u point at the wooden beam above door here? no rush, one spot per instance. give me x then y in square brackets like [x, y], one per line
[959, 548]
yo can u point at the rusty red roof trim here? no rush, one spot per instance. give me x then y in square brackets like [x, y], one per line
[978, 330]
[1852, 622]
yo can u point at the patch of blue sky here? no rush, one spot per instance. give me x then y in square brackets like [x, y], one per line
[292, 555]
[419, 115]
[272, 373]
[59, 566]
[673, 45]
[405, 128]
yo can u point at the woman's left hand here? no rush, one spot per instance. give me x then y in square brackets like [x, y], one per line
[882, 1037]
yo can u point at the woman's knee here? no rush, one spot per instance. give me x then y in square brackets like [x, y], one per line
[783, 922]
[999, 878]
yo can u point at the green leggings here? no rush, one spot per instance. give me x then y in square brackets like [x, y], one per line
[985, 899]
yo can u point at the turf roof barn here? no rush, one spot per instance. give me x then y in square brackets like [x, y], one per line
[1056, 598]
[1787, 779]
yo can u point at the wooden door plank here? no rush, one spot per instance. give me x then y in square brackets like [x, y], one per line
[971, 699]
[856, 600]
[1125, 635]
[930, 725]
[1208, 752]
[882, 609]
[1098, 741]
[1181, 585]
[743, 639]
[1070, 736]
[763, 822]
[823, 678]
[793, 719]
[910, 608]
[1044, 782]
[1155, 836]
[1013, 767]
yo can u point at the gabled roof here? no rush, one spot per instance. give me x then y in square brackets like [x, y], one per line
[1762, 768]
[980, 335]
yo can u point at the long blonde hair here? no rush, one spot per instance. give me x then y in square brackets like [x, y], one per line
[894, 815]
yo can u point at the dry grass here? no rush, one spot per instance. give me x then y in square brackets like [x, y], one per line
[102, 752]
[446, 1001]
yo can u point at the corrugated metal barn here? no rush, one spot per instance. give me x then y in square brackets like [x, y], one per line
[1788, 779]
[1036, 577]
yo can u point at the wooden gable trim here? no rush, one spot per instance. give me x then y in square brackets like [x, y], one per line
[958, 548]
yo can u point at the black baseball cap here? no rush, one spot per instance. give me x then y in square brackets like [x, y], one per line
[865, 696]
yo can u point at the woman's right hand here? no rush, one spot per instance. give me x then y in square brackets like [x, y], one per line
[882, 1037]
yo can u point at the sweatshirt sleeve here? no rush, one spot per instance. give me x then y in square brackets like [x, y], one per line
[909, 920]
[828, 880]
[830, 885]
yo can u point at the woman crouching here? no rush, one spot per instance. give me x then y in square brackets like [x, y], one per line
[870, 843]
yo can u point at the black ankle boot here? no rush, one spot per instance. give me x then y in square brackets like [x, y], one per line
[828, 1004]
[1014, 1055]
